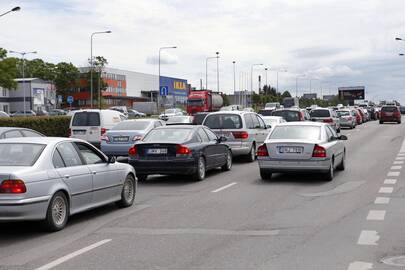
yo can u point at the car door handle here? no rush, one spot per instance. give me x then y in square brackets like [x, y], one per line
[66, 176]
[94, 172]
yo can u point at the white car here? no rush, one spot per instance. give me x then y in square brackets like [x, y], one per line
[170, 113]
[272, 121]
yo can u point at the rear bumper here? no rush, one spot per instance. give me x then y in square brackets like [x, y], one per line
[118, 149]
[25, 209]
[347, 124]
[166, 167]
[390, 119]
[239, 148]
[312, 165]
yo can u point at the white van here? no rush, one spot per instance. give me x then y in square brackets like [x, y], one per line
[90, 125]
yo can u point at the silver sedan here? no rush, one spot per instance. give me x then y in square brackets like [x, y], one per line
[302, 147]
[50, 179]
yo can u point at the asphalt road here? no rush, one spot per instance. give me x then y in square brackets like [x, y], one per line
[234, 220]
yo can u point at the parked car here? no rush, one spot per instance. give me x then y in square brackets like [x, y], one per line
[4, 114]
[118, 140]
[292, 114]
[16, 132]
[170, 113]
[363, 116]
[56, 112]
[390, 114]
[90, 125]
[121, 109]
[135, 114]
[302, 147]
[272, 121]
[59, 177]
[21, 113]
[42, 112]
[184, 119]
[199, 117]
[244, 131]
[326, 115]
[180, 150]
[347, 118]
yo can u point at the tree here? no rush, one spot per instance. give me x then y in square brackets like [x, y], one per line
[66, 78]
[99, 62]
[8, 70]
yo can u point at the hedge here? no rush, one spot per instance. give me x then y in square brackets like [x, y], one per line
[55, 126]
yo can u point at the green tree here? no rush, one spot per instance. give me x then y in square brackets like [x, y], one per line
[8, 70]
[99, 62]
[66, 78]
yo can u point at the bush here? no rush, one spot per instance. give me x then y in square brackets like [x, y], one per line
[55, 126]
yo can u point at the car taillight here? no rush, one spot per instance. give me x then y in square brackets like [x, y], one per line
[319, 152]
[103, 131]
[13, 186]
[133, 151]
[105, 138]
[328, 120]
[182, 150]
[397, 114]
[302, 118]
[240, 134]
[137, 138]
[69, 132]
[262, 151]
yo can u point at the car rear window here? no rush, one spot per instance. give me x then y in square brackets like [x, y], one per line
[288, 115]
[172, 135]
[265, 112]
[20, 154]
[319, 113]
[223, 121]
[86, 119]
[199, 119]
[296, 133]
[389, 109]
[343, 113]
[131, 125]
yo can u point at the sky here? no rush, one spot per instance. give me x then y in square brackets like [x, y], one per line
[326, 43]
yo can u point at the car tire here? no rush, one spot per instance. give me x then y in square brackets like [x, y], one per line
[228, 165]
[142, 177]
[338, 130]
[381, 122]
[342, 165]
[330, 174]
[251, 157]
[265, 174]
[57, 213]
[199, 174]
[128, 192]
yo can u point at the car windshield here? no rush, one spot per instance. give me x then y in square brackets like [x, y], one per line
[131, 125]
[265, 112]
[296, 133]
[199, 118]
[319, 113]
[195, 102]
[20, 154]
[172, 135]
[343, 113]
[288, 115]
[223, 121]
[86, 119]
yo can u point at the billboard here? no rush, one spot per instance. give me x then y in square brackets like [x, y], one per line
[39, 96]
[352, 93]
[309, 96]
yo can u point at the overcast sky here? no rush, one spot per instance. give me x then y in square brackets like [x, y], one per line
[338, 42]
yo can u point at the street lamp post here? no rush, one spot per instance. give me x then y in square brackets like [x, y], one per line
[23, 72]
[266, 69]
[234, 78]
[251, 76]
[206, 70]
[217, 53]
[91, 64]
[310, 84]
[279, 70]
[296, 83]
[11, 10]
[160, 50]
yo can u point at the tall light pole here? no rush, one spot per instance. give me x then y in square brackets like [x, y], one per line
[206, 70]
[23, 71]
[91, 64]
[251, 76]
[266, 69]
[279, 70]
[234, 78]
[160, 50]
[296, 83]
[217, 53]
[11, 10]
[310, 84]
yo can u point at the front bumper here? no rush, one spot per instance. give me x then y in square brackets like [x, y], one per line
[24, 209]
[165, 167]
[311, 165]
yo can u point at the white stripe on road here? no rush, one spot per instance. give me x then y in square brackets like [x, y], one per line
[382, 200]
[224, 187]
[401, 154]
[368, 238]
[72, 255]
[390, 181]
[400, 158]
[396, 168]
[386, 190]
[376, 215]
[391, 174]
[360, 266]
[398, 162]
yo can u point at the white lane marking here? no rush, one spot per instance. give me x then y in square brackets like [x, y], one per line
[382, 200]
[368, 238]
[402, 148]
[401, 154]
[224, 187]
[72, 255]
[376, 215]
[397, 162]
[360, 266]
[386, 190]
[396, 167]
[390, 181]
[400, 158]
[391, 174]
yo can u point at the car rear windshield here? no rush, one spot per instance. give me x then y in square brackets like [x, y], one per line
[20, 154]
[172, 135]
[319, 113]
[389, 109]
[288, 115]
[81, 119]
[223, 121]
[296, 133]
[131, 125]
[265, 112]
[199, 119]
[343, 113]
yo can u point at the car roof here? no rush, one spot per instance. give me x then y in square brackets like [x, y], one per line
[179, 126]
[38, 140]
[3, 129]
[288, 109]
[230, 112]
[303, 123]
[141, 120]
[272, 117]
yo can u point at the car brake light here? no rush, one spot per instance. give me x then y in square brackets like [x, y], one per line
[240, 134]
[262, 151]
[13, 186]
[105, 138]
[133, 151]
[103, 131]
[69, 132]
[302, 118]
[328, 120]
[319, 152]
[182, 150]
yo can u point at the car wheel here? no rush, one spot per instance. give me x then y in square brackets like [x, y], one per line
[251, 157]
[199, 175]
[142, 177]
[330, 174]
[342, 165]
[381, 122]
[228, 165]
[58, 213]
[265, 174]
[338, 130]
[128, 192]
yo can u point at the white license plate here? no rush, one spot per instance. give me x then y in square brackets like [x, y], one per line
[290, 150]
[157, 151]
[121, 139]
[79, 132]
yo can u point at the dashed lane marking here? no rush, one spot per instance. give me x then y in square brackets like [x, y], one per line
[376, 215]
[397, 162]
[396, 168]
[368, 238]
[390, 181]
[360, 266]
[386, 190]
[224, 187]
[382, 200]
[400, 158]
[393, 174]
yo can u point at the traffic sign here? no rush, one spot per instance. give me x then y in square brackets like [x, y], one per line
[69, 99]
[164, 90]
[60, 98]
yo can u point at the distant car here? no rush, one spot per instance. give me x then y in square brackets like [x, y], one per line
[117, 140]
[272, 121]
[292, 115]
[184, 119]
[362, 115]
[402, 109]
[302, 147]
[42, 112]
[199, 117]
[265, 112]
[21, 113]
[180, 150]
[272, 106]
[170, 113]
[121, 109]
[326, 115]
[4, 114]
[347, 118]
[16, 132]
[135, 114]
[248, 109]
[56, 112]
[49, 179]
[231, 108]
[390, 114]
[244, 131]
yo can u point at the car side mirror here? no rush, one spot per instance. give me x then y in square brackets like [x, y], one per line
[222, 139]
[268, 126]
[342, 137]
[111, 160]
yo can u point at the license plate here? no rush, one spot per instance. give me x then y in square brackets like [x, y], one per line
[290, 150]
[389, 114]
[79, 132]
[224, 134]
[121, 139]
[157, 151]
